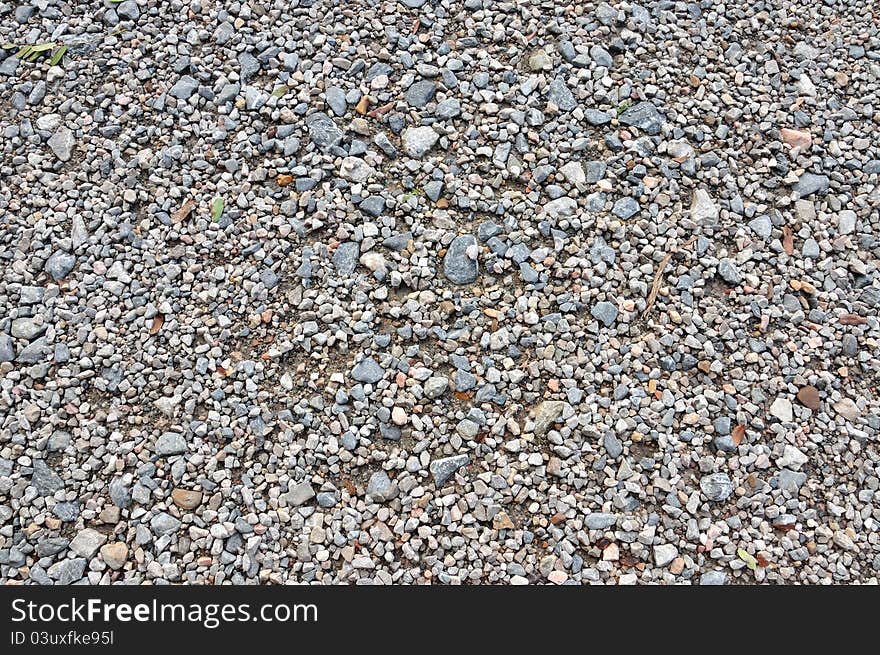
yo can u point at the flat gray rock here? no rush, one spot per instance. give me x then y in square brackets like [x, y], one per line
[460, 264]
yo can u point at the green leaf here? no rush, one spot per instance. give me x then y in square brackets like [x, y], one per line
[57, 55]
[280, 91]
[33, 55]
[40, 47]
[750, 561]
[217, 209]
[9, 46]
[25, 49]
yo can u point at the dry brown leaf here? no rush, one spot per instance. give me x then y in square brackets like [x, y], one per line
[362, 105]
[852, 319]
[738, 433]
[787, 241]
[183, 212]
[158, 322]
[461, 395]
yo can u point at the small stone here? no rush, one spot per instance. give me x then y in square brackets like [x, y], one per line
[436, 386]
[809, 184]
[717, 486]
[336, 100]
[44, 479]
[713, 578]
[60, 264]
[645, 117]
[184, 88]
[443, 469]
[605, 312]
[782, 409]
[300, 494]
[62, 143]
[170, 443]
[729, 272]
[163, 523]
[809, 397]
[367, 371]
[323, 131]
[419, 140]
[560, 95]
[664, 554]
[187, 499]
[459, 266]
[345, 258]
[546, 414]
[704, 210]
[796, 138]
[502, 521]
[421, 93]
[599, 520]
[380, 488]
[847, 409]
[114, 554]
[87, 542]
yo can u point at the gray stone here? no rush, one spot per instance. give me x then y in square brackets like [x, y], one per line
[67, 571]
[809, 184]
[443, 469]
[300, 494]
[419, 140]
[448, 108]
[599, 520]
[248, 66]
[60, 264]
[345, 259]
[605, 312]
[170, 443]
[625, 208]
[729, 272]
[664, 554]
[128, 10]
[716, 486]
[163, 523]
[546, 415]
[436, 386]
[184, 88]
[713, 578]
[323, 131]
[367, 371]
[421, 93]
[460, 264]
[27, 329]
[120, 494]
[87, 542]
[336, 100]
[62, 143]
[645, 117]
[380, 488]
[560, 95]
[790, 481]
[44, 479]
[7, 348]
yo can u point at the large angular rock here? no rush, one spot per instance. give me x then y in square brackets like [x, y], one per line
[419, 140]
[443, 469]
[460, 264]
[645, 117]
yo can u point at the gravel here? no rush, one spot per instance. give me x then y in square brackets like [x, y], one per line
[428, 293]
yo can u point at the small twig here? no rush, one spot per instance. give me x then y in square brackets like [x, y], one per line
[658, 278]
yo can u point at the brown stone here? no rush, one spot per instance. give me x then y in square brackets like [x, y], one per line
[186, 498]
[502, 522]
[809, 397]
[114, 555]
[796, 138]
